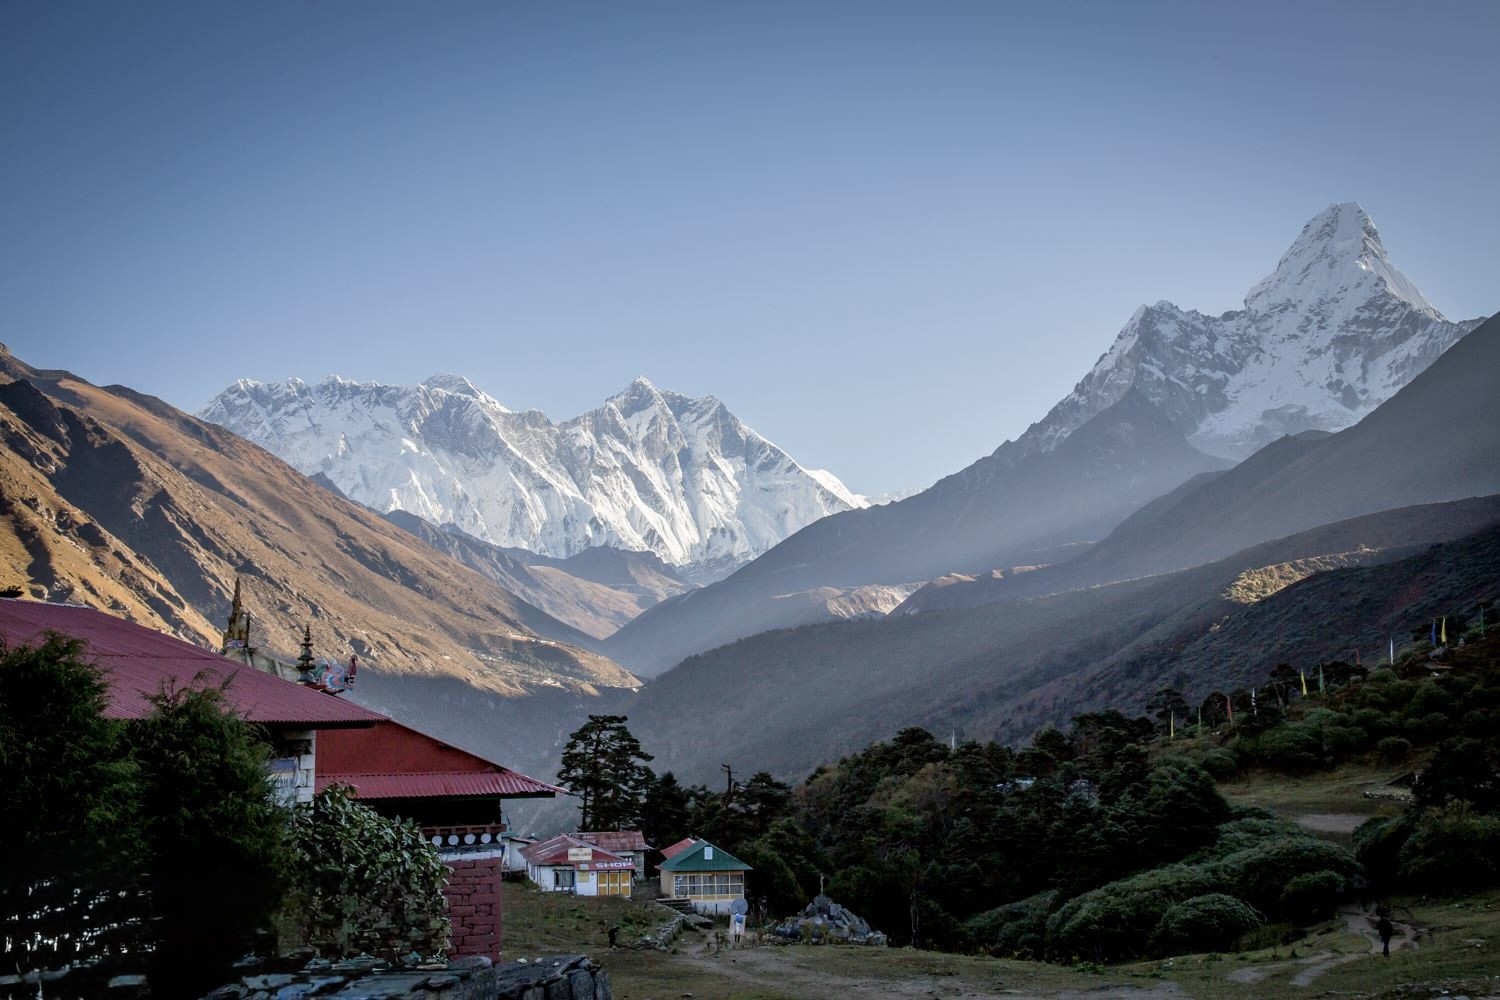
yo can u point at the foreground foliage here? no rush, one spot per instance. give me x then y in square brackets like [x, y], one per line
[158, 844]
[365, 883]
[68, 792]
[216, 857]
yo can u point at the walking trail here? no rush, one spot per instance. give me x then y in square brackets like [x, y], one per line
[1312, 966]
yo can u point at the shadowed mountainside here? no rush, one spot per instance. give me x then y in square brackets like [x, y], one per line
[991, 514]
[791, 699]
[596, 591]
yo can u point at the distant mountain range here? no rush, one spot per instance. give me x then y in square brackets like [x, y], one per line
[650, 470]
[1218, 581]
[1331, 333]
[1113, 548]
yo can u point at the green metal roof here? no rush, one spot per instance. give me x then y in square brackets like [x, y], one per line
[692, 860]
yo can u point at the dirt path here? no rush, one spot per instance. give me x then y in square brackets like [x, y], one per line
[1331, 822]
[1313, 966]
[805, 974]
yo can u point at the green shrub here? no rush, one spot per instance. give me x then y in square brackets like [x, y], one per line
[1246, 832]
[1375, 722]
[1430, 699]
[1377, 845]
[1221, 762]
[1451, 848]
[1115, 921]
[1342, 741]
[1212, 922]
[1293, 748]
[1393, 749]
[1311, 896]
[1478, 724]
[366, 883]
[1259, 875]
[1016, 929]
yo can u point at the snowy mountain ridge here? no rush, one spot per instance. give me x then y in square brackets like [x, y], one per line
[1331, 333]
[650, 470]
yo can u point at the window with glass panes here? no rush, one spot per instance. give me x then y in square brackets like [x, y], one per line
[709, 884]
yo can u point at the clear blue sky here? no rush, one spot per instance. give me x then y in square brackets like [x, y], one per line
[887, 235]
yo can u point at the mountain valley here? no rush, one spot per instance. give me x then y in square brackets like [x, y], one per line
[1164, 523]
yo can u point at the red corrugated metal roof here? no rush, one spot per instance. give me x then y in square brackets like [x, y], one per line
[669, 852]
[434, 784]
[392, 761]
[616, 840]
[554, 851]
[137, 661]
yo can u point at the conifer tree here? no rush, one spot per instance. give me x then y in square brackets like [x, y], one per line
[69, 843]
[216, 855]
[604, 766]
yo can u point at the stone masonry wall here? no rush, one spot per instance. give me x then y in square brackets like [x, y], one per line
[473, 893]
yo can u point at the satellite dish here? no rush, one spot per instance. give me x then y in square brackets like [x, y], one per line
[739, 906]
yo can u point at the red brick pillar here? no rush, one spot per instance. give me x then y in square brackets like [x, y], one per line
[473, 893]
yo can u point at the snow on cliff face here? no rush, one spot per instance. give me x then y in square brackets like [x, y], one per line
[1329, 335]
[648, 470]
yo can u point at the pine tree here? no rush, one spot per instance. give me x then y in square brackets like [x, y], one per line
[69, 845]
[604, 766]
[665, 811]
[211, 824]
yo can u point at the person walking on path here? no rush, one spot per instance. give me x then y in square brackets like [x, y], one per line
[1385, 929]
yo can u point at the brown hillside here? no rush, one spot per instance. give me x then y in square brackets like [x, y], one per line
[114, 499]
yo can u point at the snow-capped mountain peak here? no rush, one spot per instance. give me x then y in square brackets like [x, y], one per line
[457, 384]
[1330, 334]
[1338, 256]
[648, 470]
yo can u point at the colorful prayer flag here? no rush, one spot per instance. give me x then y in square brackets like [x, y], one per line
[1229, 707]
[1304, 682]
[1321, 688]
[1393, 651]
[1444, 636]
[1172, 727]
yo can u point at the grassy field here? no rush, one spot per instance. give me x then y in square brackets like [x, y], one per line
[1331, 803]
[1456, 947]
[538, 923]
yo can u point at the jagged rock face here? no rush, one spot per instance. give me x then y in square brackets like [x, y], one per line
[649, 470]
[1329, 335]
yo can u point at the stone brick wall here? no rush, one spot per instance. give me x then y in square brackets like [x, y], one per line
[473, 893]
[548, 977]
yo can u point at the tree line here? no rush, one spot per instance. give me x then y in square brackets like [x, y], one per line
[1110, 839]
